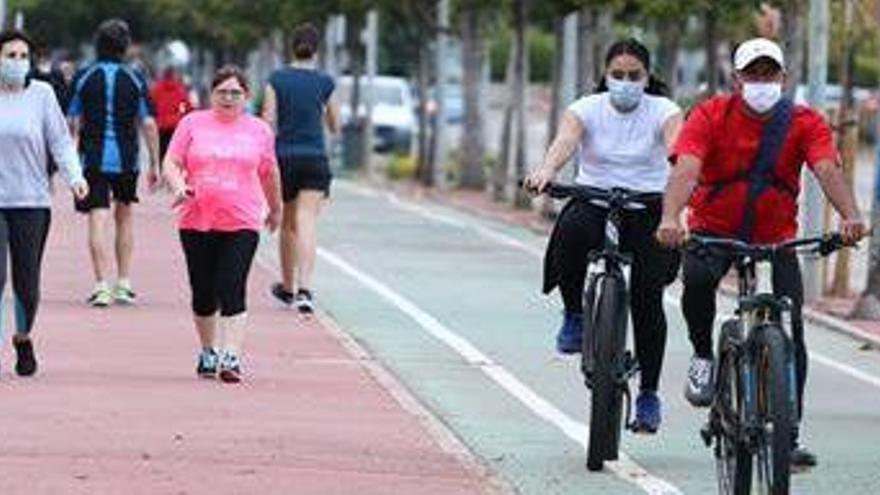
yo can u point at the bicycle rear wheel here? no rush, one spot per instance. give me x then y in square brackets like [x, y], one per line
[733, 460]
[776, 409]
[609, 341]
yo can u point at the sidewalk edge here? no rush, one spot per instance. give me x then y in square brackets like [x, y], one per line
[840, 326]
[437, 430]
[445, 437]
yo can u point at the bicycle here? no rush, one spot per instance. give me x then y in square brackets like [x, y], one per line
[753, 416]
[606, 363]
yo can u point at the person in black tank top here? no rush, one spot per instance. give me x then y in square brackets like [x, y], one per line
[298, 105]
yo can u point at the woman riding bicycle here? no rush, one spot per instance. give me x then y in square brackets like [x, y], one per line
[623, 134]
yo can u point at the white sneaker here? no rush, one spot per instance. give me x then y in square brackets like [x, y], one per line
[303, 301]
[699, 388]
[123, 294]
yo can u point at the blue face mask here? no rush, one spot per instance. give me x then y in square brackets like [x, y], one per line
[14, 72]
[625, 95]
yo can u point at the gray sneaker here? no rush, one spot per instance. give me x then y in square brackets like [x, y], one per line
[699, 388]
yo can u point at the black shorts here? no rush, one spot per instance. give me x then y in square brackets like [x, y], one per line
[123, 187]
[304, 174]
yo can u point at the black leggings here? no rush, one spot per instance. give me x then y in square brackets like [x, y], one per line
[701, 276]
[218, 265]
[23, 233]
[581, 229]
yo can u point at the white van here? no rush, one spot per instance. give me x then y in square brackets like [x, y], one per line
[394, 118]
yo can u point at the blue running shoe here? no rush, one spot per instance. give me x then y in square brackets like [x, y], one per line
[568, 340]
[647, 413]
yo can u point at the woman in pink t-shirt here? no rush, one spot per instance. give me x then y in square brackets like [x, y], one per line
[221, 168]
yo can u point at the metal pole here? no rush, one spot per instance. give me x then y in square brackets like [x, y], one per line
[440, 144]
[568, 88]
[19, 20]
[371, 41]
[2, 14]
[813, 203]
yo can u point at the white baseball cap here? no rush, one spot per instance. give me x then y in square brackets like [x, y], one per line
[756, 48]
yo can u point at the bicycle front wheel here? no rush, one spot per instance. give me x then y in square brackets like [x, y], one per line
[776, 410]
[733, 460]
[608, 341]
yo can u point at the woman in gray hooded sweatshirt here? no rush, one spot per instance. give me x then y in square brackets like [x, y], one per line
[31, 126]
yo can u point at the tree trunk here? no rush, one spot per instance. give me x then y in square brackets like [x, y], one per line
[795, 36]
[605, 30]
[556, 83]
[710, 27]
[356, 53]
[500, 170]
[473, 54]
[586, 71]
[521, 77]
[670, 33]
[424, 172]
[848, 141]
[868, 306]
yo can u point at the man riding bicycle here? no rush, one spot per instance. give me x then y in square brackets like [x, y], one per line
[737, 166]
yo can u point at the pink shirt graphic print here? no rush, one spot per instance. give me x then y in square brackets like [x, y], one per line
[223, 162]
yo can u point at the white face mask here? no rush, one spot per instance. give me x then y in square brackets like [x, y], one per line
[14, 72]
[762, 97]
[625, 95]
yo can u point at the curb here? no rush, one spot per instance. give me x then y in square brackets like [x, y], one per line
[840, 326]
[435, 428]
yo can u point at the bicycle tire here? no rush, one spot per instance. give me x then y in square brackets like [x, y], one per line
[590, 306]
[609, 337]
[775, 393]
[733, 461]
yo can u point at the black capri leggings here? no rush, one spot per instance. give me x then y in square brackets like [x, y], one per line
[581, 229]
[23, 233]
[218, 264]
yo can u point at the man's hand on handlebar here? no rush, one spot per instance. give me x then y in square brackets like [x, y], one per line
[853, 230]
[670, 233]
[538, 179]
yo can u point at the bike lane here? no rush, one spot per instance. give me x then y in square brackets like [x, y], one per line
[480, 279]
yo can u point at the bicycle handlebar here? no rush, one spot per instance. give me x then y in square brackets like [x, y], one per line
[617, 195]
[822, 245]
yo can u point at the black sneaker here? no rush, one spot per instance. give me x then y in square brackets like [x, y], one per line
[304, 302]
[207, 367]
[26, 362]
[282, 295]
[802, 459]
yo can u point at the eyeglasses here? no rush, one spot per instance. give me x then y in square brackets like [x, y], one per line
[232, 94]
[631, 75]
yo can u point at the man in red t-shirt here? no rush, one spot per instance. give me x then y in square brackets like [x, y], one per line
[171, 100]
[717, 147]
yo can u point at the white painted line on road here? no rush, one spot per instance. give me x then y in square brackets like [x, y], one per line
[625, 467]
[506, 240]
[488, 233]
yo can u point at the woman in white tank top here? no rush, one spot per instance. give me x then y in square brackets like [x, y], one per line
[620, 135]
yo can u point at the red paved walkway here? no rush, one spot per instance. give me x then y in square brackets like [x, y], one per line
[116, 407]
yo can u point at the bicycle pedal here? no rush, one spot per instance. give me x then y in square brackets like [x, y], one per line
[706, 434]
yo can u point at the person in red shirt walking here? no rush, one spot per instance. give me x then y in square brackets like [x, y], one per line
[171, 100]
[717, 148]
